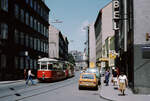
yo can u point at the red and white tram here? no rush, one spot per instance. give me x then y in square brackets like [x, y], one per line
[50, 70]
[54, 70]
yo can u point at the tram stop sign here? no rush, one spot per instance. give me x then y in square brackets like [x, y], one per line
[92, 64]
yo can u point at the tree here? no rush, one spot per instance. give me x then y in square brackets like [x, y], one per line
[71, 59]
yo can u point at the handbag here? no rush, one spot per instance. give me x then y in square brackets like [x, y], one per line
[104, 81]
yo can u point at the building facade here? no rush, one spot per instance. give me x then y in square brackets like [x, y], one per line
[23, 36]
[80, 59]
[131, 20]
[104, 33]
[58, 44]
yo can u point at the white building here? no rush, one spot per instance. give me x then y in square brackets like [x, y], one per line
[58, 44]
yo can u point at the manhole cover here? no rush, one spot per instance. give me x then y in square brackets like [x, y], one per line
[17, 94]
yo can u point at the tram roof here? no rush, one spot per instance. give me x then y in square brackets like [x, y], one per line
[47, 60]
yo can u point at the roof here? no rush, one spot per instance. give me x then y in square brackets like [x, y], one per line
[47, 59]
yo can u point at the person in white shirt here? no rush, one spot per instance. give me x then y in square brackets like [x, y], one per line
[29, 77]
[123, 82]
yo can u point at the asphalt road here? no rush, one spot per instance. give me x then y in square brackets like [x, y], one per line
[65, 90]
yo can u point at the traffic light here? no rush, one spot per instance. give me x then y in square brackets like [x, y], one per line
[147, 36]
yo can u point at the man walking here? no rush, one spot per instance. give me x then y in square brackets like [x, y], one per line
[29, 77]
[107, 74]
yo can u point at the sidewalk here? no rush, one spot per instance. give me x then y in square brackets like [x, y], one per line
[15, 81]
[10, 82]
[111, 94]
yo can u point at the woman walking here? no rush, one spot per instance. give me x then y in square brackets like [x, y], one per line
[123, 82]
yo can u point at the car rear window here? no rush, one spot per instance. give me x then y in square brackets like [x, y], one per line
[87, 76]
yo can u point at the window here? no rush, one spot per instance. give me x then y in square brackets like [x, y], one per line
[46, 48]
[46, 33]
[41, 12]
[16, 38]
[4, 31]
[21, 63]
[31, 64]
[38, 27]
[35, 25]
[26, 40]
[22, 38]
[16, 11]
[42, 29]
[27, 1]
[35, 43]
[39, 45]
[27, 63]
[3, 61]
[27, 18]
[35, 64]
[16, 62]
[22, 15]
[31, 42]
[31, 21]
[31, 3]
[42, 46]
[4, 5]
[35, 5]
[38, 8]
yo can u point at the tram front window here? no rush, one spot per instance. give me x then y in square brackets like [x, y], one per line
[43, 66]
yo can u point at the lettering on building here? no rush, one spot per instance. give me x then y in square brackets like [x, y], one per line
[116, 14]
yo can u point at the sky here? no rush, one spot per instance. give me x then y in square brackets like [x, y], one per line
[75, 15]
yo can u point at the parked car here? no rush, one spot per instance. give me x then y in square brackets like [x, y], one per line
[88, 80]
[96, 71]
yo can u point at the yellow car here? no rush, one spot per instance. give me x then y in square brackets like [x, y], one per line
[88, 80]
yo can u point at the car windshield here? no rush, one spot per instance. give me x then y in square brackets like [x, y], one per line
[93, 71]
[87, 76]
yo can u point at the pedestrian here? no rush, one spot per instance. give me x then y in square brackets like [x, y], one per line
[29, 77]
[123, 82]
[118, 72]
[25, 74]
[107, 74]
[115, 77]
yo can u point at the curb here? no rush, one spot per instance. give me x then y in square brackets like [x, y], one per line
[105, 98]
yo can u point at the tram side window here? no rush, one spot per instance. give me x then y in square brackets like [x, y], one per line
[64, 66]
[43, 66]
[55, 66]
[50, 66]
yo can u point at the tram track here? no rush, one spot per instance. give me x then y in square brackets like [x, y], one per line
[24, 91]
[49, 90]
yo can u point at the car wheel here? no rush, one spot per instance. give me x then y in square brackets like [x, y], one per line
[96, 88]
